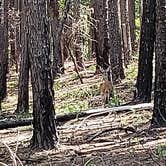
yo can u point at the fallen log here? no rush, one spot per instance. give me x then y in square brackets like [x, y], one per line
[12, 123]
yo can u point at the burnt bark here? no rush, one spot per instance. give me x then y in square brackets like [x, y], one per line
[131, 11]
[97, 30]
[159, 113]
[57, 66]
[23, 88]
[57, 28]
[145, 66]
[44, 133]
[3, 49]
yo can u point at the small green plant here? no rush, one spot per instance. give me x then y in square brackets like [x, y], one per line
[92, 67]
[115, 100]
[75, 106]
[131, 73]
[161, 150]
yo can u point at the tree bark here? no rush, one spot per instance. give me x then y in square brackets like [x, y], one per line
[3, 49]
[145, 67]
[159, 113]
[132, 22]
[57, 66]
[115, 41]
[78, 44]
[23, 88]
[44, 133]
[98, 10]
[126, 31]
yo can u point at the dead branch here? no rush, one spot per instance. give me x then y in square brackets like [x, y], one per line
[75, 65]
[12, 123]
[126, 129]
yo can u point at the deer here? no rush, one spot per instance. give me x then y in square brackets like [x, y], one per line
[106, 87]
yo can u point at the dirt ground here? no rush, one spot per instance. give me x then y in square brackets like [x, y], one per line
[117, 148]
[142, 147]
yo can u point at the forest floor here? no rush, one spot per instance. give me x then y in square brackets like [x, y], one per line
[143, 147]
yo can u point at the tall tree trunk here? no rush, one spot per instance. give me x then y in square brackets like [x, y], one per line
[115, 41]
[126, 32]
[44, 133]
[12, 35]
[18, 9]
[145, 66]
[3, 49]
[98, 10]
[131, 5]
[78, 44]
[159, 113]
[57, 66]
[23, 88]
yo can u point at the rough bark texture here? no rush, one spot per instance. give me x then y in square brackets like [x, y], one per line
[159, 114]
[12, 35]
[18, 9]
[98, 10]
[57, 66]
[115, 41]
[78, 43]
[126, 32]
[132, 22]
[23, 89]
[44, 133]
[144, 78]
[3, 49]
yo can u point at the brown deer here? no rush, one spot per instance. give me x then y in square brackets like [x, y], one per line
[106, 87]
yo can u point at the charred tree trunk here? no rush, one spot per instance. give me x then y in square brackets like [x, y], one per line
[44, 133]
[57, 66]
[98, 10]
[3, 49]
[145, 66]
[23, 88]
[159, 113]
[115, 41]
[58, 54]
[131, 6]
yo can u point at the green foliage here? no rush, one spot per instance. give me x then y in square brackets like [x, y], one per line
[137, 18]
[161, 151]
[92, 67]
[85, 2]
[75, 106]
[61, 4]
[75, 99]
[131, 72]
[115, 100]
[138, 27]
[85, 14]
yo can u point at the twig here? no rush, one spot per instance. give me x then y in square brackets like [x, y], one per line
[3, 164]
[13, 156]
[75, 65]
[150, 154]
[126, 129]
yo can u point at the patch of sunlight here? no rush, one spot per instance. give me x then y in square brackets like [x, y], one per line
[131, 71]
[75, 106]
